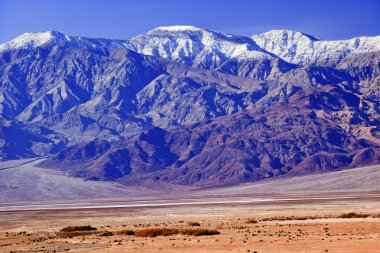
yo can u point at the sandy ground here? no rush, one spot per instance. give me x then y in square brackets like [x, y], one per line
[293, 215]
[319, 230]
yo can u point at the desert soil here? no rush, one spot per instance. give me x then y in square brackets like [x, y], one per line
[316, 227]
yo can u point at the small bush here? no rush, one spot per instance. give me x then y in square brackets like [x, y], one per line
[153, 232]
[199, 232]
[193, 224]
[126, 232]
[251, 221]
[353, 215]
[76, 233]
[77, 228]
[72, 231]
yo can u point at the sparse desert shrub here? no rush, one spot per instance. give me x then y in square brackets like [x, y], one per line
[193, 224]
[126, 232]
[107, 233]
[251, 221]
[153, 232]
[76, 233]
[200, 232]
[72, 231]
[77, 228]
[353, 215]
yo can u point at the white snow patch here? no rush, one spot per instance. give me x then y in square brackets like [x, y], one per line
[177, 28]
[28, 40]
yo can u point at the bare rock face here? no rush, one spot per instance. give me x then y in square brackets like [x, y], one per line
[290, 138]
[21, 141]
[186, 105]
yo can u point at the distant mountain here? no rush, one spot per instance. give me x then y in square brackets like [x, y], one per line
[190, 106]
[197, 47]
[300, 48]
[306, 134]
[50, 39]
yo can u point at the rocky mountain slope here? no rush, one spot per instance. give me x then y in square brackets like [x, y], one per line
[186, 105]
[293, 137]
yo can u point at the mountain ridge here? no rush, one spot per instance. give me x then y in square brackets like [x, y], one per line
[53, 38]
[72, 95]
[255, 47]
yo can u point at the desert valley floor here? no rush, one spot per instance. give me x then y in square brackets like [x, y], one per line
[316, 215]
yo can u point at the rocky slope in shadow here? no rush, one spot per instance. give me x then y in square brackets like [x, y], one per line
[296, 136]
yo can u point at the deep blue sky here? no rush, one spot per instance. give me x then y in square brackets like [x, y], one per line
[327, 19]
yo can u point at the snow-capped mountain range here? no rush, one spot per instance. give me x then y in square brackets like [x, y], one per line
[192, 106]
[204, 48]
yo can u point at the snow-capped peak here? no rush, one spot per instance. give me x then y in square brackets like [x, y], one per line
[30, 39]
[281, 33]
[300, 48]
[177, 28]
[197, 46]
[53, 38]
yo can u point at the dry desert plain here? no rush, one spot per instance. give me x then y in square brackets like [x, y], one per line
[236, 219]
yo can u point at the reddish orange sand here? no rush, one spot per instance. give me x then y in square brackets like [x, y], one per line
[36, 231]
